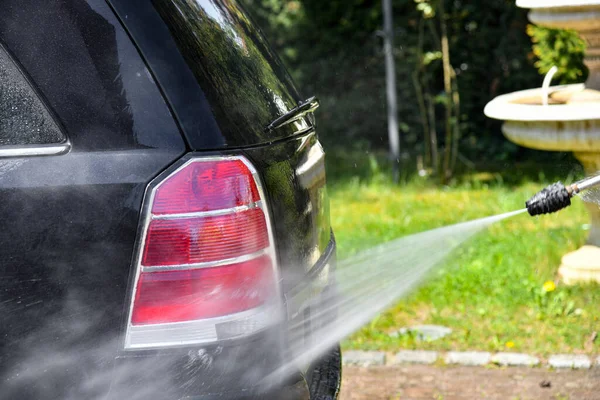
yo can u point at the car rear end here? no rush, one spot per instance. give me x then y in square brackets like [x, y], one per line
[168, 232]
[215, 296]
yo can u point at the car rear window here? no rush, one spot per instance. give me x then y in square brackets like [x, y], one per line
[24, 119]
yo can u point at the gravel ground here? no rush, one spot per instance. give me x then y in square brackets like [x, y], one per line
[459, 383]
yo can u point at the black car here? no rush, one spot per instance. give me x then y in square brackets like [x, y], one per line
[164, 214]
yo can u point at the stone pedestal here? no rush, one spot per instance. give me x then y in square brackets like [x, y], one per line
[591, 165]
[583, 265]
[592, 57]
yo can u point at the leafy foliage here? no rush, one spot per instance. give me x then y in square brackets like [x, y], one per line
[333, 50]
[561, 48]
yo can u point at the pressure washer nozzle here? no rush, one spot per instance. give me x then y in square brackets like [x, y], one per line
[550, 199]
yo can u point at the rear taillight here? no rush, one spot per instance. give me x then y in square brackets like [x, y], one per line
[206, 268]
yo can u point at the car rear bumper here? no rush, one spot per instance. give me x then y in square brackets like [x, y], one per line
[235, 373]
[323, 383]
[325, 378]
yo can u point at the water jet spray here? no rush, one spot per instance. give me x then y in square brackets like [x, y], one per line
[557, 196]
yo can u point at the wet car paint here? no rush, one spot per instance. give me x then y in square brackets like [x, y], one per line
[72, 219]
[224, 82]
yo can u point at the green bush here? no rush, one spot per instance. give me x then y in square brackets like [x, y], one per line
[561, 48]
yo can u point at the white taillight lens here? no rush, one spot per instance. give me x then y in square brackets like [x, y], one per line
[206, 268]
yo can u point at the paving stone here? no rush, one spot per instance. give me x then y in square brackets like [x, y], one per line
[576, 361]
[424, 332]
[415, 357]
[363, 358]
[598, 362]
[515, 359]
[468, 357]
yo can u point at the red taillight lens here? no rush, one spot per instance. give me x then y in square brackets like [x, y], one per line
[207, 256]
[169, 296]
[206, 186]
[205, 239]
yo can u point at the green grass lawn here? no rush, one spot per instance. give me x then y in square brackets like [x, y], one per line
[489, 291]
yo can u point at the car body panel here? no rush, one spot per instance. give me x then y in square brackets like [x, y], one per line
[71, 219]
[221, 76]
[130, 110]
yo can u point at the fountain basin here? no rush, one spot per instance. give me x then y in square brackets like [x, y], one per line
[570, 121]
[580, 15]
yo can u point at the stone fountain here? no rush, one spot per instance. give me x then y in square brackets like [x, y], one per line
[563, 118]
